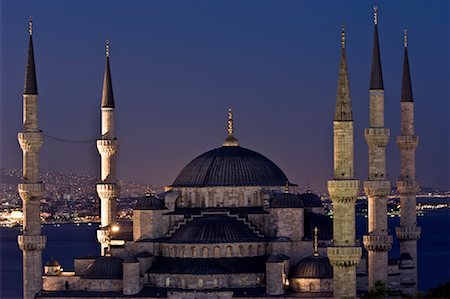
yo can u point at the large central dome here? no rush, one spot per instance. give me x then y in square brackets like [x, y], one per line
[230, 166]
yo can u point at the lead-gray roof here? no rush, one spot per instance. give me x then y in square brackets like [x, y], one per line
[312, 267]
[214, 229]
[105, 267]
[230, 166]
[30, 86]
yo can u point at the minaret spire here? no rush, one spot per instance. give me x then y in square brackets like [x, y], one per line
[30, 86]
[108, 189]
[377, 241]
[408, 233]
[344, 254]
[31, 189]
[376, 76]
[343, 110]
[107, 92]
[230, 140]
[406, 94]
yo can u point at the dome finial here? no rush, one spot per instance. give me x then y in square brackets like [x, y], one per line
[30, 25]
[343, 35]
[230, 122]
[405, 37]
[230, 141]
[375, 14]
[107, 48]
[316, 242]
[286, 187]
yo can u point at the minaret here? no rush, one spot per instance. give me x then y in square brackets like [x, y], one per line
[344, 254]
[408, 233]
[31, 189]
[377, 241]
[108, 189]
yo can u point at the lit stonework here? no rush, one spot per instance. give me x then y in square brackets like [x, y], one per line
[408, 233]
[377, 241]
[344, 254]
[31, 189]
[108, 189]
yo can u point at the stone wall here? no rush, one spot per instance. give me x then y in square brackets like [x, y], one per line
[206, 197]
[301, 285]
[205, 281]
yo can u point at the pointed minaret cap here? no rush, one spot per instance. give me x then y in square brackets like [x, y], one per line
[30, 86]
[343, 111]
[230, 140]
[376, 76]
[406, 94]
[107, 92]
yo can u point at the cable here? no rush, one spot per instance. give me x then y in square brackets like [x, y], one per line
[69, 140]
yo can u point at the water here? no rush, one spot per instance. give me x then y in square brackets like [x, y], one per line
[69, 241]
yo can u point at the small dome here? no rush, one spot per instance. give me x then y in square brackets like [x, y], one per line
[105, 267]
[311, 200]
[214, 228]
[312, 267]
[230, 166]
[286, 200]
[405, 257]
[149, 202]
[52, 263]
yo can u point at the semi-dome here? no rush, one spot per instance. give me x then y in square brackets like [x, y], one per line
[149, 202]
[215, 228]
[311, 200]
[52, 263]
[312, 267]
[105, 267]
[230, 166]
[286, 200]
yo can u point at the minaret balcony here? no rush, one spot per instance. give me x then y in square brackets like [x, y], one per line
[107, 147]
[30, 141]
[31, 243]
[377, 188]
[407, 186]
[344, 256]
[108, 190]
[343, 190]
[408, 232]
[377, 137]
[31, 191]
[377, 242]
[407, 142]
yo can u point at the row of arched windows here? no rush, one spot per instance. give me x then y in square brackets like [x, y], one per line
[198, 251]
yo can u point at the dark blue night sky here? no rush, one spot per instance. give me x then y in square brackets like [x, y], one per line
[178, 65]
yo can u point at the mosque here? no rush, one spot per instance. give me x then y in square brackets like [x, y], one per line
[232, 225]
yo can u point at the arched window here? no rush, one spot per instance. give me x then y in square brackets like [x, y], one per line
[258, 280]
[241, 250]
[216, 283]
[259, 250]
[167, 281]
[200, 283]
[229, 252]
[216, 251]
[205, 252]
[194, 251]
[250, 250]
